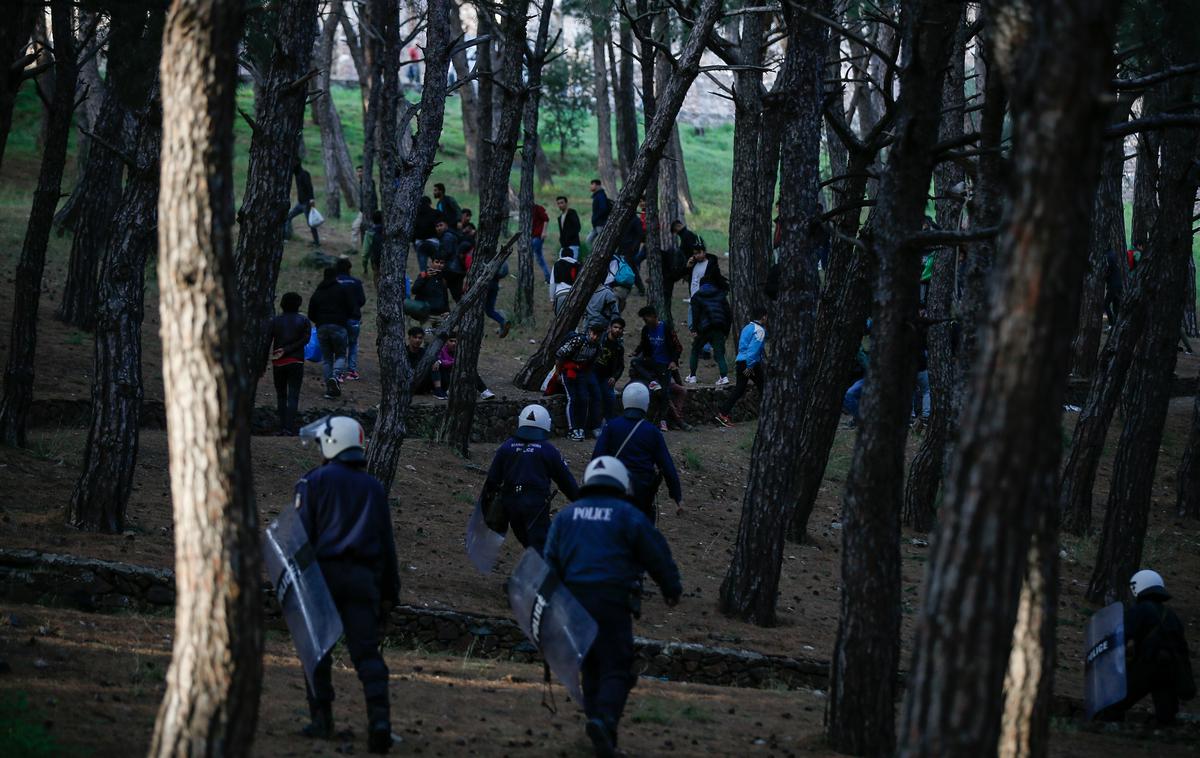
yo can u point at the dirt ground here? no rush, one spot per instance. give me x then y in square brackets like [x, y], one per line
[93, 682]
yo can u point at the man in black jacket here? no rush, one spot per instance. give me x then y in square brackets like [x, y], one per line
[358, 297]
[425, 236]
[600, 209]
[568, 226]
[329, 308]
[610, 364]
[430, 295]
[290, 332]
[304, 203]
[447, 206]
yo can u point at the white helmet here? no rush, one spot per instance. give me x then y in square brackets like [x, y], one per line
[636, 395]
[341, 438]
[1146, 580]
[606, 472]
[533, 423]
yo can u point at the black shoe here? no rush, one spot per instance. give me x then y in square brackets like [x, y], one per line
[321, 727]
[602, 738]
[332, 389]
[379, 737]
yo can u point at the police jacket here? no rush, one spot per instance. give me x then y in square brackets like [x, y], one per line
[523, 469]
[645, 453]
[601, 544]
[345, 514]
[1155, 631]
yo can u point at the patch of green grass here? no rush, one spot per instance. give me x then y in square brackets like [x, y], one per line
[22, 731]
[691, 460]
[652, 710]
[696, 714]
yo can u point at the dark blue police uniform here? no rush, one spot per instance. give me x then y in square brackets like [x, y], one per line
[345, 514]
[644, 454]
[600, 546]
[520, 477]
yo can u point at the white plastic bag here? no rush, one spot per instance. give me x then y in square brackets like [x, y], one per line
[315, 218]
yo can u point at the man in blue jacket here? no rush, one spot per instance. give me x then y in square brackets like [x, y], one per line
[600, 209]
[599, 547]
[358, 297]
[345, 515]
[749, 363]
[517, 490]
[639, 445]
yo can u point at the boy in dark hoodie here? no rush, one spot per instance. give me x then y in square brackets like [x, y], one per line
[329, 308]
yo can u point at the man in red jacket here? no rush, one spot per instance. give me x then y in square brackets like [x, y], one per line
[538, 237]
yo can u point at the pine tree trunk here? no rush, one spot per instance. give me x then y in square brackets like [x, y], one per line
[1004, 457]
[925, 470]
[862, 690]
[627, 131]
[90, 93]
[27, 285]
[1190, 328]
[335, 155]
[749, 590]
[469, 103]
[652, 241]
[591, 274]
[748, 255]
[493, 195]
[211, 702]
[684, 189]
[669, 209]
[1145, 177]
[605, 167]
[100, 183]
[14, 37]
[523, 298]
[619, 114]
[400, 203]
[1148, 392]
[484, 111]
[1188, 502]
[369, 191]
[266, 200]
[102, 491]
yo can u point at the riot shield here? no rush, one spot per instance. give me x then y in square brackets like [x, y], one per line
[308, 608]
[1104, 659]
[483, 545]
[552, 619]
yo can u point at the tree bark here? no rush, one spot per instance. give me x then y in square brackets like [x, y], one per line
[1145, 177]
[861, 716]
[925, 470]
[749, 246]
[1059, 57]
[400, 204]
[591, 274]
[14, 38]
[335, 155]
[90, 93]
[669, 207]
[1188, 502]
[493, 195]
[368, 191]
[1148, 393]
[683, 188]
[523, 299]
[469, 103]
[749, 590]
[623, 84]
[266, 200]
[484, 111]
[652, 241]
[605, 167]
[27, 285]
[102, 491]
[211, 703]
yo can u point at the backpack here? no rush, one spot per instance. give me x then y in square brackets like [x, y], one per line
[624, 274]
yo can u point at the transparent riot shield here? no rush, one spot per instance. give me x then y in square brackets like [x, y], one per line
[1104, 659]
[552, 619]
[308, 608]
[483, 544]
[309, 432]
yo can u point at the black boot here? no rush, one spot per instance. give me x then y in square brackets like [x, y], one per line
[603, 737]
[379, 729]
[321, 727]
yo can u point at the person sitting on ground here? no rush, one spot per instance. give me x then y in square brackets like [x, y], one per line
[1157, 661]
[443, 370]
[603, 307]
[574, 359]
[329, 308]
[430, 299]
[414, 351]
[517, 491]
[358, 297]
[609, 365]
[634, 440]
[748, 365]
[290, 333]
[599, 547]
[711, 320]
[464, 218]
[656, 362]
[562, 278]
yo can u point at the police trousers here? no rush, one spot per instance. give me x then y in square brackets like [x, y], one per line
[529, 517]
[356, 593]
[608, 668]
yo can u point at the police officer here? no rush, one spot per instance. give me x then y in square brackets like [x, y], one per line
[599, 546]
[636, 442]
[1156, 656]
[345, 514]
[517, 490]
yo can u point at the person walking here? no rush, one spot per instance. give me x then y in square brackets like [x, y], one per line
[575, 358]
[329, 308]
[568, 226]
[601, 207]
[358, 297]
[517, 491]
[562, 278]
[656, 362]
[290, 332]
[711, 320]
[748, 364]
[346, 518]
[305, 201]
[633, 439]
[599, 547]
[609, 365]
[447, 206]
[537, 238]
[603, 307]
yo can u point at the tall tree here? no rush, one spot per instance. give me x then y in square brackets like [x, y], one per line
[1188, 499]
[15, 62]
[669, 207]
[652, 241]
[400, 204]
[623, 98]
[600, 12]
[667, 105]
[493, 197]
[27, 285]
[102, 491]
[274, 146]
[1056, 56]
[749, 589]
[335, 155]
[211, 703]
[469, 103]
[865, 658]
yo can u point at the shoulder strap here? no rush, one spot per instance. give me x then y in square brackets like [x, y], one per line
[628, 437]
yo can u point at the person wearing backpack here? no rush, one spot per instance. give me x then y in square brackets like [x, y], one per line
[634, 440]
[1157, 662]
[630, 244]
[621, 277]
[604, 306]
